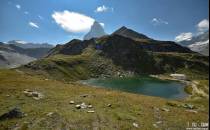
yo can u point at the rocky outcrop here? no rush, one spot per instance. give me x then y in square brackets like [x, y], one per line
[14, 113]
[73, 47]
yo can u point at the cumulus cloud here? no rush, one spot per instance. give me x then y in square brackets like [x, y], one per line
[18, 7]
[203, 25]
[73, 21]
[103, 8]
[158, 21]
[34, 25]
[184, 37]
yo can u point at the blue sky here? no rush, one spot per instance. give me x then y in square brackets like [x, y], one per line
[59, 21]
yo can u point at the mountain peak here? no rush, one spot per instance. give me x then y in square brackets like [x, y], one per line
[96, 31]
[126, 32]
[123, 28]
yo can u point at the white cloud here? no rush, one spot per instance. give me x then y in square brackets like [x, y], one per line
[103, 8]
[158, 21]
[18, 7]
[34, 25]
[184, 37]
[203, 25]
[73, 21]
[102, 24]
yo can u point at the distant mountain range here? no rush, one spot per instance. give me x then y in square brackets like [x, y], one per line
[27, 45]
[16, 53]
[198, 43]
[13, 59]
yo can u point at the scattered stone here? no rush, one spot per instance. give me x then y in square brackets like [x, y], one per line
[155, 125]
[7, 95]
[83, 106]
[14, 113]
[71, 102]
[188, 106]
[165, 109]
[172, 104]
[50, 113]
[84, 95]
[78, 106]
[156, 108]
[136, 125]
[34, 94]
[159, 122]
[192, 111]
[109, 105]
[90, 111]
[90, 106]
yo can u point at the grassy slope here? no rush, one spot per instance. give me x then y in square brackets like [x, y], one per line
[193, 65]
[92, 63]
[126, 108]
[72, 68]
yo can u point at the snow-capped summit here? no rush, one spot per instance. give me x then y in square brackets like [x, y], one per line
[199, 43]
[26, 45]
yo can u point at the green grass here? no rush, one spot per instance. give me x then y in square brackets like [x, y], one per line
[126, 108]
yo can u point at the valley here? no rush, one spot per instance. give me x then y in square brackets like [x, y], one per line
[48, 94]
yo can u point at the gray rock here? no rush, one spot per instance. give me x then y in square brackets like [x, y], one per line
[34, 94]
[78, 106]
[83, 105]
[71, 102]
[14, 113]
[188, 106]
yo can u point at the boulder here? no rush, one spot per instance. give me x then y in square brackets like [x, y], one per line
[14, 113]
